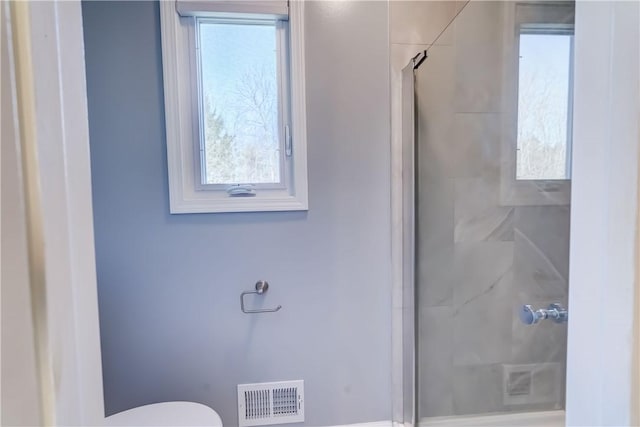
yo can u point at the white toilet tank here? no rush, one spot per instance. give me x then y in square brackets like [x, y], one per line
[166, 414]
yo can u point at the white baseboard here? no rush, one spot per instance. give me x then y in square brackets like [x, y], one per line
[375, 424]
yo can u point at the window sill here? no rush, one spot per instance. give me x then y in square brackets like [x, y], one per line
[230, 204]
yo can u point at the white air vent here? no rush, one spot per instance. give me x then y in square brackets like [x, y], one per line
[270, 403]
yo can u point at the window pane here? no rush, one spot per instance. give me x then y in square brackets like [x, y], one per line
[239, 103]
[543, 106]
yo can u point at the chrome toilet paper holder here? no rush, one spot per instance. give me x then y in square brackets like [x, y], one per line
[261, 287]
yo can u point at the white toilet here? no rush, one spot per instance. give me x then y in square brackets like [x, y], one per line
[166, 414]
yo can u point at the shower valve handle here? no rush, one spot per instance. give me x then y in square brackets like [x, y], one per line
[555, 312]
[529, 316]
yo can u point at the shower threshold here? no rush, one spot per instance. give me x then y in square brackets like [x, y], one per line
[511, 419]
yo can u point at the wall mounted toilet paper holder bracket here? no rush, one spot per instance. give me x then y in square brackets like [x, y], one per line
[261, 287]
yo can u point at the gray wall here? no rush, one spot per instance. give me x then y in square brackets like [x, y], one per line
[169, 285]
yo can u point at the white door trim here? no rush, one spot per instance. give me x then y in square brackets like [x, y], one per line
[21, 397]
[55, 137]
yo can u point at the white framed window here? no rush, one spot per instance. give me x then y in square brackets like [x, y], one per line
[234, 105]
[537, 104]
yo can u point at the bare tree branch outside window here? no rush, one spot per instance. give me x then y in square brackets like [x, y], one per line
[543, 107]
[241, 107]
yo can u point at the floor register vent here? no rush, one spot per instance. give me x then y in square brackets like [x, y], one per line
[270, 403]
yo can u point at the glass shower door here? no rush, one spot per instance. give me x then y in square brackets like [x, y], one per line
[492, 212]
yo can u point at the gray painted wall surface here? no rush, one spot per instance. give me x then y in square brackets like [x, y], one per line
[169, 285]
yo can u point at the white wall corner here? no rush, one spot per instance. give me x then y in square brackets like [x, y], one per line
[604, 214]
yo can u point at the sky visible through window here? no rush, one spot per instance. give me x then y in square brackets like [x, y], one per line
[240, 103]
[543, 105]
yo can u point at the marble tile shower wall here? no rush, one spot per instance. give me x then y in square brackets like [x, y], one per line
[478, 260]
